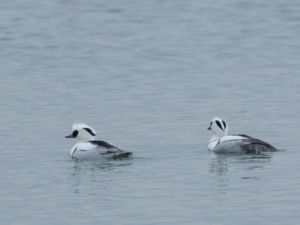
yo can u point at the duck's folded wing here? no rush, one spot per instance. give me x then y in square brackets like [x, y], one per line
[106, 148]
[254, 145]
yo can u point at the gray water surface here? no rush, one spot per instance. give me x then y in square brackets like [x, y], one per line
[149, 76]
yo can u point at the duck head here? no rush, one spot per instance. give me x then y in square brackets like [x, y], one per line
[82, 132]
[218, 127]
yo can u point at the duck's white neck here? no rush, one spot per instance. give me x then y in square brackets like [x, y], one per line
[86, 138]
[213, 142]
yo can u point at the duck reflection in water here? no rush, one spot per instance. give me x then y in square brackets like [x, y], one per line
[222, 164]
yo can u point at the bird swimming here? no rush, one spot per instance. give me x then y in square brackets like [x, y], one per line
[90, 148]
[224, 143]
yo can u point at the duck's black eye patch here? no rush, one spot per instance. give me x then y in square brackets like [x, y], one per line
[224, 124]
[90, 131]
[75, 133]
[219, 124]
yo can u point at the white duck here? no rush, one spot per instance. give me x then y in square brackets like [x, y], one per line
[89, 148]
[221, 142]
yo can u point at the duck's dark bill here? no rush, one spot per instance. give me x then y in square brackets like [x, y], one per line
[69, 136]
[124, 155]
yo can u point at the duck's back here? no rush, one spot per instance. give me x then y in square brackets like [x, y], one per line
[95, 150]
[230, 144]
[242, 144]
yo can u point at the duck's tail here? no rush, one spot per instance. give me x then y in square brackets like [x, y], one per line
[121, 156]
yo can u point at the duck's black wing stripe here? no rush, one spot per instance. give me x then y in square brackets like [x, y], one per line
[243, 135]
[103, 144]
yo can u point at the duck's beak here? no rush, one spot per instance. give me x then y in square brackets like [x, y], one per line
[69, 136]
[209, 128]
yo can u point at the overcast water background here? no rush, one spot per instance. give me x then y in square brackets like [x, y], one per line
[149, 76]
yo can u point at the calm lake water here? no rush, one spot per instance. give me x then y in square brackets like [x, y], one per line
[149, 76]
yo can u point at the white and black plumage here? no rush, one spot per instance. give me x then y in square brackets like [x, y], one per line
[89, 148]
[221, 142]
